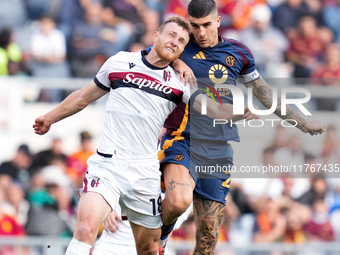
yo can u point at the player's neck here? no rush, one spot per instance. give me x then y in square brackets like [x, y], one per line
[155, 60]
[216, 40]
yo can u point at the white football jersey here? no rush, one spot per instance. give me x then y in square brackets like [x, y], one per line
[141, 98]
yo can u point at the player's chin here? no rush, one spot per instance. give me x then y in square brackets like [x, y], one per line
[172, 56]
[204, 44]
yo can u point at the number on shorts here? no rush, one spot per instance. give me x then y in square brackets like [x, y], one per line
[153, 201]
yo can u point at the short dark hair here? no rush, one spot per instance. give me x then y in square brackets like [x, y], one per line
[201, 8]
[180, 21]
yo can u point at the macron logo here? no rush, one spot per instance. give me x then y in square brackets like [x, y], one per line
[131, 65]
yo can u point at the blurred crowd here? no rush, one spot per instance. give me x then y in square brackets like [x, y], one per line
[37, 190]
[37, 193]
[72, 38]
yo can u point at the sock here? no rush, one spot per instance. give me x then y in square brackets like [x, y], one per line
[166, 230]
[78, 248]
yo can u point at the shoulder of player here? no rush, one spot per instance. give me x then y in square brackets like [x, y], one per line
[236, 44]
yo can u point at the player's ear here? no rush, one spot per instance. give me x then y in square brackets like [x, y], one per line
[218, 21]
[155, 36]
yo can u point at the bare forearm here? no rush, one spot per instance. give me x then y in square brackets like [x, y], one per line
[264, 94]
[71, 105]
[216, 111]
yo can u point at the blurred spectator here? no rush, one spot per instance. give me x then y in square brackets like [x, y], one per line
[56, 216]
[294, 155]
[332, 18]
[93, 42]
[77, 162]
[49, 50]
[317, 190]
[307, 46]
[331, 146]
[187, 231]
[176, 7]
[294, 9]
[46, 157]
[37, 8]
[151, 23]
[48, 47]
[328, 73]
[236, 13]
[270, 222]
[267, 44]
[17, 168]
[294, 232]
[9, 225]
[273, 4]
[234, 224]
[10, 53]
[140, 18]
[320, 228]
[16, 197]
[70, 12]
[315, 10]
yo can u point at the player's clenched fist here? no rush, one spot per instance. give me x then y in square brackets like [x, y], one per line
[314, 127]
[41, 126]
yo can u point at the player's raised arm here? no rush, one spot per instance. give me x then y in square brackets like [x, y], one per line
[74, 103]
[264, 94]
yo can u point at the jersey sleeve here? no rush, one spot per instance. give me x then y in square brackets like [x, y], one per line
[186, 94]
[248, 72]
[102, 78]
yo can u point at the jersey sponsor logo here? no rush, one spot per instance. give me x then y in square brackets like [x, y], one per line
[140, 81]
[95, 182]
[207, 90]
[131, 65]
[166, 75]
[179, 157]
[230, 61]
[218, 73]
[199, 55]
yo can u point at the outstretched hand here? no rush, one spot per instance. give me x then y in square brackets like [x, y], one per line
[40, 126]
[313, 127]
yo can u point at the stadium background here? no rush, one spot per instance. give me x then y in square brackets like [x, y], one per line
[266, 214]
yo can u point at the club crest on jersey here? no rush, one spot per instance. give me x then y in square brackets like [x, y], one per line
[230, 60]
[179, 157]
[166, 75]
[95, 182]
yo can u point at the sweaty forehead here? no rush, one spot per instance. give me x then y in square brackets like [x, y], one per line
[176, 29]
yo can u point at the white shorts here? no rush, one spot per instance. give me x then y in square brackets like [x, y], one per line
[118, 243]
[135, 185]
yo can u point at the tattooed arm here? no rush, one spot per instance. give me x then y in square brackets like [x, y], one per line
[264, 94]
